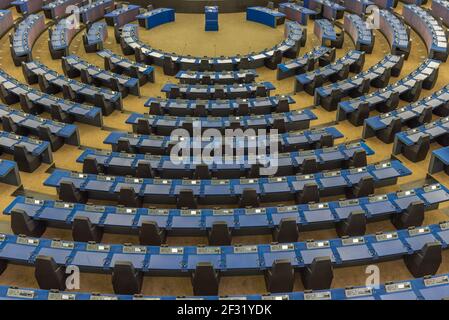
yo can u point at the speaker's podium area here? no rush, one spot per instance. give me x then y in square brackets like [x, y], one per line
[359, 99]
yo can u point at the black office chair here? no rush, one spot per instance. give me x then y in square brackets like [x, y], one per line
[281, 276]
[310, 193]
[44, 133]
[363, 188]
[249, 198]
[123, 145]
[59, 115]
[242, 109]
[83, 230]
[354, 225]
[411, 217]
[91, 166]
[48, 274]
[25, 160]
[143, 126]
[202, 172]
[68, 193]
[426, 261]
[309, 165]
[144, 169]
[282, 105]
[151, 235]
[418, 151]
[358, 159]
[387, 135]
[205, 280]
[129, 198]
[9, 125]
[318, 275]
[21, 223]
[155, 108]
[219, 234]
[67, 90]
[186, 199]
[287, 231]
[200, 110]
[125, 279]
[358, 116]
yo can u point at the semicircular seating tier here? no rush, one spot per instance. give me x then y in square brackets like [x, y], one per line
[172, 63]
[58, 9]
[386, 99]
[61, 36]
[139, 165]
[427, 288]
[406, 208]
[419, 247]
[34, 101]
[24, 37]
[165, 125]
[385, 125]
[357, 182]
[163, 145]
[430, 30]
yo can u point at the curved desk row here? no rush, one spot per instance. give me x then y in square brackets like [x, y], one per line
[357, 182]
[156, 17]
[28, 6]
[94, 11]
[430, 30]
[165, 125]
[6, 21]
[357, 6]
[325, 32]
[28, 153]
[428, 288]
[320, 55]
[215, 77]
[25, 34]
[353, 61]
[131, 68]
[400, 206]
[94, 38]
[362, 36]
[149, 166]
[23, 123]
[414, 144]
[52, 82]
[238, 259]
[396, 32]
[440, 9]
[58, 9]
[74, 66]
[266, 16]
[386, 125]
[229, 91]
[123, 15]
[60, 38]
[296, 12]
[408, 89]
[291, 141]
[171, 63]
[377, 76]
[219, 108]
[34, 101]
[326, 8]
